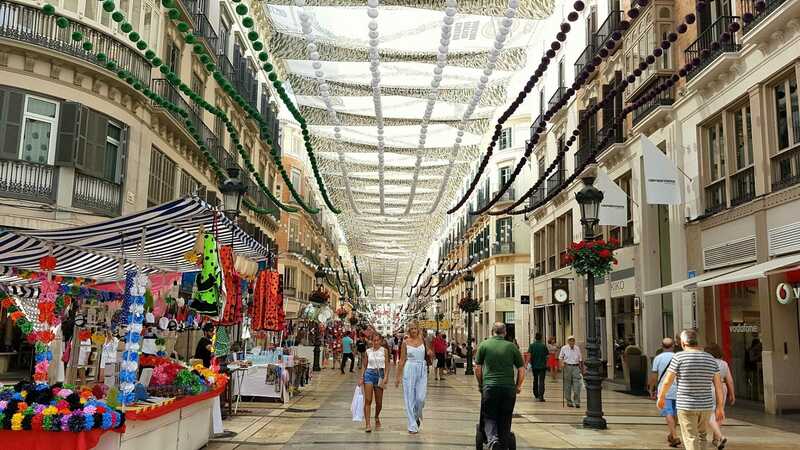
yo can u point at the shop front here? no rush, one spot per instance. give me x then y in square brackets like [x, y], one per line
[553, 309]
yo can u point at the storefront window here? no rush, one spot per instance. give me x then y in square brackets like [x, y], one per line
[740, 320]
[624, 328]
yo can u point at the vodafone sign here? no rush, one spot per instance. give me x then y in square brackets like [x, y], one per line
[785, 293]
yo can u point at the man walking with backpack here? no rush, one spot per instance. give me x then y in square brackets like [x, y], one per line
[669, 412]
[495, 367]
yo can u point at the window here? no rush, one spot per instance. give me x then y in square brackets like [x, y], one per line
[506, 287]
[504, 175]
[541, 102]
[715, 140]
[174, 57]
[113, 141]
[505, 139]
[624, 234]
[224, 35]
[540, 167]
[289, 277]
[161, 187]
[508, 316]
[504, 228]
[190, 185]
[743, 137]
[38, 134]
[786, 113]
[294, 230]
[297, 181]
[715, 184]
[197, 87]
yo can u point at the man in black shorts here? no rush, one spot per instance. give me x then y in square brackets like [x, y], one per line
[440, 349]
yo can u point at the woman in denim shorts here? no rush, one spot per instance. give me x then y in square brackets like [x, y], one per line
[373, 379]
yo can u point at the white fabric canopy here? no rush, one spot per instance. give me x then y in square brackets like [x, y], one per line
[690, 284]
[398, 96]
[756, 271]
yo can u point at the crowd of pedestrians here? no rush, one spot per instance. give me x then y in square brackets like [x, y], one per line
[690, 383]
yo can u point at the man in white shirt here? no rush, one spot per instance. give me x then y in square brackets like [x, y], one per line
[571, 368]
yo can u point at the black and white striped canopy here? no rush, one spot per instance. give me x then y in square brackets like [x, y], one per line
[155, 240]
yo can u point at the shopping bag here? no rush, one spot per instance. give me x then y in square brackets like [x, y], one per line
[357, 407]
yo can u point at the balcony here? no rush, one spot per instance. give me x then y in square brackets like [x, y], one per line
[539, 121]
[702, 47]
[743, 186]
[715, 197]
[559, 94]
[786, 169]
[748, 7]
[539, 269]
[603, 33]
[508, 196]
[260, 199]
[204, 30]
[585, 57]
[97, 195]
[615, 133]
[660, 103]
[224, 65]
[28, 181]
[30, 25]
[194, 115]
[555, 180]
[584, 154]
[503, 248]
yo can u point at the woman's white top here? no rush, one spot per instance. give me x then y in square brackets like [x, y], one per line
[376, 359]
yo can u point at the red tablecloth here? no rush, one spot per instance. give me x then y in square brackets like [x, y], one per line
[177, 404]
[50, 440]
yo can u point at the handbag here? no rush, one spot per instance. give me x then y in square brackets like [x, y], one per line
[428, 357]
[357, 405]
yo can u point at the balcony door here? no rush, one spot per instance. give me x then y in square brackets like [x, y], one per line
[713, 10]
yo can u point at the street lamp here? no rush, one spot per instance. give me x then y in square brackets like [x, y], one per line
[589, 198]
[232, 191]
[319, 278]
[469, 282]
[436, 307]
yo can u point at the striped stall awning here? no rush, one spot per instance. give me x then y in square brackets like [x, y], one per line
[155, 240]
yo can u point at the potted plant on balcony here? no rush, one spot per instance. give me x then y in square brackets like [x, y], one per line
[596, 257]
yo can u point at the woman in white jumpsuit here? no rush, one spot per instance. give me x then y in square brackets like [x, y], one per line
[413, 368]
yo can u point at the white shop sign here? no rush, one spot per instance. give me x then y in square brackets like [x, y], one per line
[786, 292]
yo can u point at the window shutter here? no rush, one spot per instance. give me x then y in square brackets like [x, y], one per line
[82, 141]
[12, 103]
[67, 140]
[96, 148]
[122, 155]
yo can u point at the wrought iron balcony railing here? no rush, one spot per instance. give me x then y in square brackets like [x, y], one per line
[585, 57]
[539, 121]
[749, 7]
[28, 181]
[743, 186]
[708, 48]
[603, 33]
[503, 248]
[555, 180]
[508, 196]
[715, 197]
[97, 195]
[28, 24]
[560, 93]
[663, 98]
[786, 169]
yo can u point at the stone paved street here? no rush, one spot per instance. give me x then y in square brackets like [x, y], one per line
[320, 418]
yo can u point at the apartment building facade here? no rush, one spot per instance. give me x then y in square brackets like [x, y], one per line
[725, 259]
[494, 248]
[81, 145]
[306, 240]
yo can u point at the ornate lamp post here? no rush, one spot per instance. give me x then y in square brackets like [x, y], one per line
[469, 281]
[232, 191]
[319, 278]
[589, 198]
[436, 313]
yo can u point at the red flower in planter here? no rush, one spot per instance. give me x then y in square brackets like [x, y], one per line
[604, 253]
[614, 242]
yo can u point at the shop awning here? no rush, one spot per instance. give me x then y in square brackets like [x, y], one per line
[753, 272]
[156, 240]
[692, 283]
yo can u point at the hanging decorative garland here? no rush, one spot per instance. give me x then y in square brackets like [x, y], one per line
[130, 357]
[502, 33]
[46, 305]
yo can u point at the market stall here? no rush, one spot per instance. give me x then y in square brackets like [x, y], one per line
[118, 304]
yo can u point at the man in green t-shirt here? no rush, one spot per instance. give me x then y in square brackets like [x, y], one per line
[537, 354]
[495, 363]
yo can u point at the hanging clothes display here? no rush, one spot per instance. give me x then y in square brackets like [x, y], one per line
[208, 297]
[232, 313]
[268, 313]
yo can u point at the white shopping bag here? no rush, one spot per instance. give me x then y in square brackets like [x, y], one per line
[357, 407]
